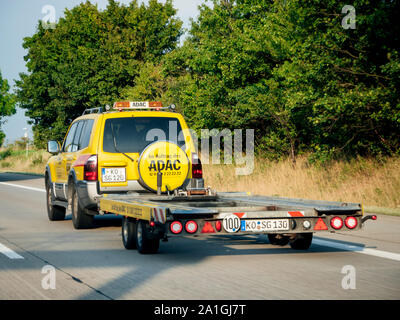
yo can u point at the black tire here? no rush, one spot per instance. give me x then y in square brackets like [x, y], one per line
[55, 213]
[278, 239]
[129, 233]
[302, 241]
[144, 243]
[80, 219]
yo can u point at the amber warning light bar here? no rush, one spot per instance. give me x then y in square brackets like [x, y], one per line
[123, 105]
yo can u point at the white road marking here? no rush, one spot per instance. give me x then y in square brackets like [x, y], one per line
[9, 253]
[358, 249]
[23, 187]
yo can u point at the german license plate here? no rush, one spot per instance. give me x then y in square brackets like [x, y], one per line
[113, 174]
[264, 225]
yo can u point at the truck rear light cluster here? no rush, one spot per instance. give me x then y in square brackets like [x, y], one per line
[197, 170]
[191, 226]
[176, 227]
[351, 222]
[336, 223]
[90, 168]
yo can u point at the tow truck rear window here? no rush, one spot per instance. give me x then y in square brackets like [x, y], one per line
[133, 134]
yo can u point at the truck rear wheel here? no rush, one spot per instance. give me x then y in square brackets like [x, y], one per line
[278, 239]
[129, 233]
[301, 241]
[144, 243]
[80, 219]
[55, 213]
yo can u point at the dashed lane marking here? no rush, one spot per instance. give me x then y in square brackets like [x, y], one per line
[358, 249]
[23, 187]
[9, 253]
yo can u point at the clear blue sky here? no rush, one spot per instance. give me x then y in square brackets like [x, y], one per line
[19, 19]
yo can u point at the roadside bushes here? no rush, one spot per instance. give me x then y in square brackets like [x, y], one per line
[4, 154]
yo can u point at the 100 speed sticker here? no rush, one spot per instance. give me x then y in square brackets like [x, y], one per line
[231, 223]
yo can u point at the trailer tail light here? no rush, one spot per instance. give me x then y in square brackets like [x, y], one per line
[90, 169]
[336, 223]
[176, 227]
[218, 226]
[197, 170]
[351, 222]
[191, 226]
[306, 224]
[320, 225]
[208, 228]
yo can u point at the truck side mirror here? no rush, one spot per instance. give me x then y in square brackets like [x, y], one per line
[53, 147]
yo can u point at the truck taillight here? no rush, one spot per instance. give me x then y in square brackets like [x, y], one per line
[191, 226]
[351, 222]
[197, 170]
[176, 227]
[90, 169]
[336, 223]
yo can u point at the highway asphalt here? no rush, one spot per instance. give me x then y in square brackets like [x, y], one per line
[92, 264]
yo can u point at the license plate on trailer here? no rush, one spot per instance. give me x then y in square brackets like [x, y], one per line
[264, 225]
[113, 175]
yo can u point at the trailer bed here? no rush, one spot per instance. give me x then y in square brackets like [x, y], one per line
[284, 220]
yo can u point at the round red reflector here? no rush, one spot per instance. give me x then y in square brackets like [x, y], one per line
[191, 226]
[152, 224]
[336, 223]
[218, 226]
[350, 222]
[176, 227]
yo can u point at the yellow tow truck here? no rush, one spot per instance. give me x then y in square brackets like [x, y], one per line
[138, 160]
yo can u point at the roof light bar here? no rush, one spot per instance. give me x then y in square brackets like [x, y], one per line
[120, 105]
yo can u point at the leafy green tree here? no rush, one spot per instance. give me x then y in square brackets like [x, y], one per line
[291, 71]
[285, 68]
[89, 58]
[7, 104]
[150, 84]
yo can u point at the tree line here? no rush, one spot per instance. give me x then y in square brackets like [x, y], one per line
[291, 70]
[7, 104]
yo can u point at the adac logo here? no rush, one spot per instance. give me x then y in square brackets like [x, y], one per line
[165, 157]
[162, 165]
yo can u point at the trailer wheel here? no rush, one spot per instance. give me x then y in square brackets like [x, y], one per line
[80, 219]
[55, 213]
[144, 243]
[301, 241]
[278, 239]
[129, 233]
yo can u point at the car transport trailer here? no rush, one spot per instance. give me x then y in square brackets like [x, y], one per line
[149, 218]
